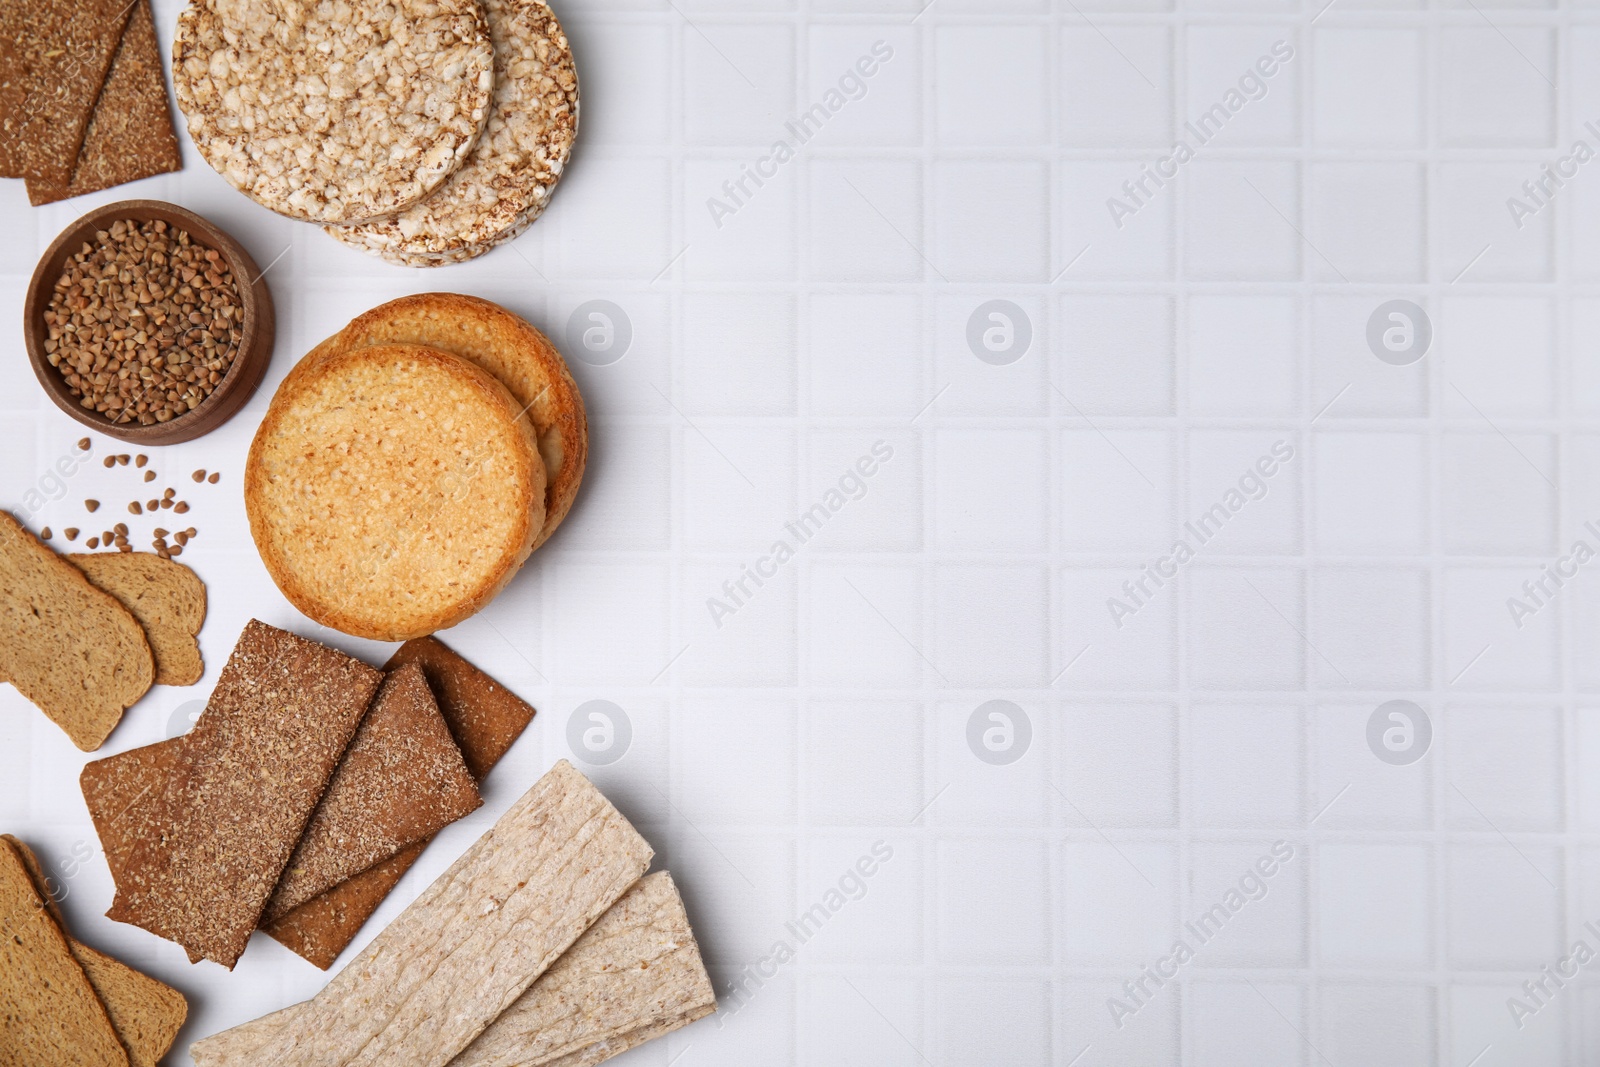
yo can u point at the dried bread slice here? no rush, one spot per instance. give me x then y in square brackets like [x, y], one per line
[393, 490]
[508, 347]
[167, 598]
[71, 649]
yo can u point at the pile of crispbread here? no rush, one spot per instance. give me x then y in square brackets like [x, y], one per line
[87, 635]
[542, 946]
[408, 465]
[423, 131]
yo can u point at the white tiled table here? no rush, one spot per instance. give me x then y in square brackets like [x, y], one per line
[829, 711]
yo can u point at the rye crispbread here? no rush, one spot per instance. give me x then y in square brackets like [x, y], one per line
[72, 650]
[214, 838]
[401, 781]
[516, 164]
[475, 939]
[485, 718]
[393, 490]
[130, 133]
[167, 598]
[508, 347]
[50, 1015]
[145, 1013]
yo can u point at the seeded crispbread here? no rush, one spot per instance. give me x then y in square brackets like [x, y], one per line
[145, 1013]
[330, 113]
[508, 347]
[167, 598]
[130, 133]
[477, 938]
[215, 837]
[393, 490]
[49, 1013]
[518, 160]
[485, 718]
[401, 781]
[71, 649]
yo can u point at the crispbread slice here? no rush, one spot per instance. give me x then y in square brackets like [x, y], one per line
[393, 490]
[114, 787]
[485, 718]
[477, 938]
[71, 649]
[214, 838]
[167, 598]
[145, 1013]
[508, 347]
[130, 133]
[401, 781]
[50, 1016]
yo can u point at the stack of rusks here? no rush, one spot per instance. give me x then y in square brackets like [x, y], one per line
[423, 131]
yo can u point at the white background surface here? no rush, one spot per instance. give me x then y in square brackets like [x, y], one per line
[830, 712]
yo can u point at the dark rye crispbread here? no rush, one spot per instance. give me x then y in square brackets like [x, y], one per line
[216, 835]
[145, 1013]
[49, 1013]
[401, 781]
[485, 718]
[60, 51]
[130, 133]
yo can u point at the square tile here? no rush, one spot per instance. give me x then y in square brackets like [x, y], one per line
[1242, 916]
[1118, 629]
[598, 601]
[999, 1023]
[734, 762]
[1370, 627]
[1246, 766]
[992, 902]
[1138, 378]
[1367, 86]
[1241, 221]
[863, 762]
[860, 491]
[1497, 85]
[972, 792]
[864, 626]
[861, 900]
[1499, 493]
[863, 354]
[965, 383]
[1489, 228]
[736, 228]
[1244, 83]
[1116, 86]
[986, 490]
[1129, 474]
[738, 79]
[1122, 765]
[1244, 491]
[884, 57]
[1117, 903]
[1390, 201]
[1348, 380]
[736, 508]
[737, 624]
[995, 221]
[1245, 628]
[861, 1022]
[865, 221]
[1243, 355]
[1486, 646]
[990, 624]
[627, 89]
[1506, 768]
[1499, 356]
[1370, 493]
[1375, 906]
[1381, 1025]
[614, 222]
[977, 67]
[738, 354]
[1114, 219]
[1504, 909]
[1245, 1022]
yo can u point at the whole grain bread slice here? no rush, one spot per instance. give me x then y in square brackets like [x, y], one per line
[72, 650]
[167, 598]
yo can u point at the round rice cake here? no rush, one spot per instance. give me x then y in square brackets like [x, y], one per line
[393, 490]
[330, 111]
[507, 180]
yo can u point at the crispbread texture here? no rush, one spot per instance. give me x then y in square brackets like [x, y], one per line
[518, 160]
[393, 490]
[334, 113]
[167, 598]
[50, 1016]
[634, 975]
[476, 939]
[508, 347]
[213, 839]
[401, 781]
[130, 133]
[115, 786]
[485, 718]
[145, 1013]
[71, 649]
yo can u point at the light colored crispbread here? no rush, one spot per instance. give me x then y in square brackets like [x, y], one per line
[518, 160]
[167, 598]
[508, 347]
[333, 112]
[71, 649]
[393, 490]
[50, 1016]
[475, 940]
[145, 1013]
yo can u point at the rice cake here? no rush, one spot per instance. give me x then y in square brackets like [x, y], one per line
[215, 837]
[512, 172]
[330, 112]
[167, 598]
[393, 490]
[477, 938]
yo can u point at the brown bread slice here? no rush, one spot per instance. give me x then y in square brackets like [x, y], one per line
[167, 598]
[215, 837]
[51, 1015]
[145, 1013]
[71, 649]
[485, 718]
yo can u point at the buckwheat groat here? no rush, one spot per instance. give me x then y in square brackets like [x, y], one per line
[334, 112]
[508, 179]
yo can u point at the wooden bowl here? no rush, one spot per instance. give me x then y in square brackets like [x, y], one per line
[249, 364]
